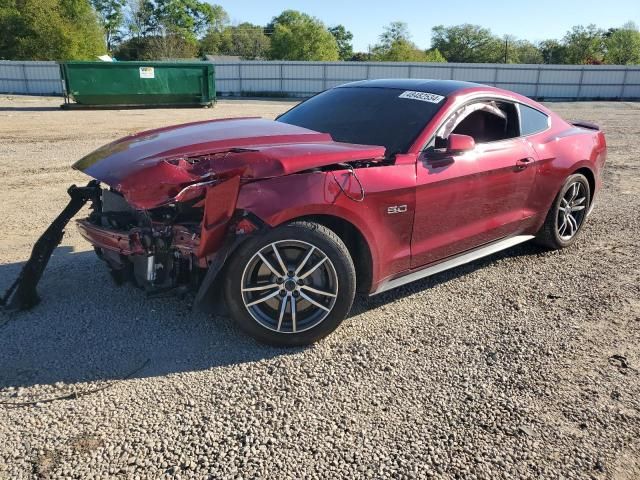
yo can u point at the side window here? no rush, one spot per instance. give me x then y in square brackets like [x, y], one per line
[532, 121]
[485, 121]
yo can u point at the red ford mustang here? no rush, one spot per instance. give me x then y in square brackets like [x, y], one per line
[364, 187]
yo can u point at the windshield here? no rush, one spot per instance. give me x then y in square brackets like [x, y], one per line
[366, 115]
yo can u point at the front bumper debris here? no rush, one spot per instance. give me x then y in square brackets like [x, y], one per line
[22, 294]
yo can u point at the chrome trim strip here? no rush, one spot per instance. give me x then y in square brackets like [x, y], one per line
[456, 261]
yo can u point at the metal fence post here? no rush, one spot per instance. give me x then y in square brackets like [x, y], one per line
[536, 94]
[324, 76]
[580, 83]
[451, 73]
[240, 77]
[624, 81]
[495, 76]
[26, 78]
[281, 78]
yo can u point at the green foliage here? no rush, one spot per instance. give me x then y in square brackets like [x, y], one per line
[361, 57]
[298, 36]
[343, 39]
[396, 46]
[467, 43]
[584, 45]
[140, 18]
[50, 30]
[164, 29]
[552, 51]
[245, 40]
[433, 55]
[188, 19]
[520, 51]
[111, 15]
[623, 45]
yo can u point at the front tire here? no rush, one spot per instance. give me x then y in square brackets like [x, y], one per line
[292, 286]
[567, 214]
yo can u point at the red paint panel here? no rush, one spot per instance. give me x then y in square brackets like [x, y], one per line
[124, 243]
[219, 205]
[151, 168]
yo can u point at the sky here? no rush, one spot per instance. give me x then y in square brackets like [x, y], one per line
[532, 20]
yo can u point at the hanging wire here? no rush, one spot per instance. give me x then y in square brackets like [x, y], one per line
[352, 172]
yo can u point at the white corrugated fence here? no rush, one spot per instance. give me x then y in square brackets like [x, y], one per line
[300, 79]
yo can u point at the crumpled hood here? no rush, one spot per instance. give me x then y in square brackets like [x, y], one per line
[154, 167]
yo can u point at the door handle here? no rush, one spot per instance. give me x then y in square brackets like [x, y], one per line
[523, 163]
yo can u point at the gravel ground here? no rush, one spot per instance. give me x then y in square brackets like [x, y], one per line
[523, 365]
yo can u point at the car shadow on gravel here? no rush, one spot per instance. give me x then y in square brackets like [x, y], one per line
[365, 303]
[86, 329]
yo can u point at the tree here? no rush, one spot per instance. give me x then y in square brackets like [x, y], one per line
[467, 43]
[167, 28]
[553, 52]
[245, 40]
[520, 51]
[361, 57]
[140, 18]
[111, 15]
[298, 36]
[623, 45]
[188, 19]
[396, 46]
[433, 55]
[343, 39]
[49, 30]
[584, 45]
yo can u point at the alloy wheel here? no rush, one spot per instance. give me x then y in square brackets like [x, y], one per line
[289, 286]
[571, 211]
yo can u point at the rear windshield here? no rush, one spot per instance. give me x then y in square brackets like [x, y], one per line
[366, 115]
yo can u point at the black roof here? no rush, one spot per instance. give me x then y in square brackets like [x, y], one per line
[439, 87]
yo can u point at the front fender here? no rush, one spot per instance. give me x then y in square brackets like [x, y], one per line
[388, 236]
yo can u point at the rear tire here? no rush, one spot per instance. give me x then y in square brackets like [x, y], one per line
[292, 286]
[567, 214]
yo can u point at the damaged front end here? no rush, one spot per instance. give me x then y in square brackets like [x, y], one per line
[167, 216]
[172, 247]
[167, 247]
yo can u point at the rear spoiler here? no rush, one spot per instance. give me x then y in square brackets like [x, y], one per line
[587, 125]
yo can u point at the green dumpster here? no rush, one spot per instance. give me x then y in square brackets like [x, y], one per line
[139, 83]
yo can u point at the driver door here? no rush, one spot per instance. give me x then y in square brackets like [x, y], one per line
[465, 200]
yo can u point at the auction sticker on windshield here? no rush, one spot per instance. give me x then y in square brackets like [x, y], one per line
[422, 96]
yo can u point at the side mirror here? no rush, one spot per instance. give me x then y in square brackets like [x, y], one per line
[460, 143]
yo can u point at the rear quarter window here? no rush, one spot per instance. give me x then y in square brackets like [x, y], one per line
[532, 121]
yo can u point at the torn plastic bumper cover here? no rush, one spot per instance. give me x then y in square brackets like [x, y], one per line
[22, 294]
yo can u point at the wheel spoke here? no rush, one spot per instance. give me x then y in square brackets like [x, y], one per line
[306, 259]
[563, 202]
[290, 277]
[577, 208]
[313, 269]
[269, 266]
[313, 302]
[563, 227]
[283, 308]
[275, 250]
[319, 292]
[573, 225]
[293, 314]
[261, 287]
[575, 189]
[579, 201]
[263, 299]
